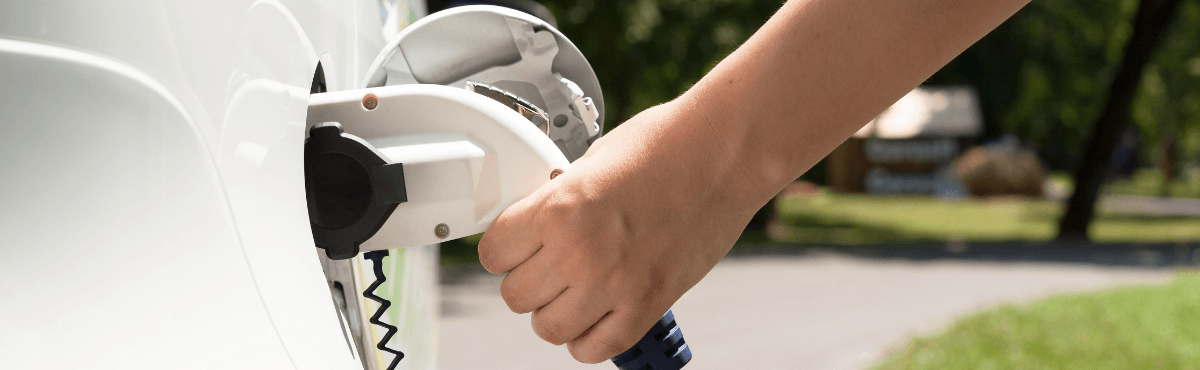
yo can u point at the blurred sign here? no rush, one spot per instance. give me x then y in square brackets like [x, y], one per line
[908, 148]
[929, 112]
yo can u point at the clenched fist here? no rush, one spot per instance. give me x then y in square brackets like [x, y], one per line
[603, 250]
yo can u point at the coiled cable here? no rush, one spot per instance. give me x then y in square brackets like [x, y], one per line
[376, 258]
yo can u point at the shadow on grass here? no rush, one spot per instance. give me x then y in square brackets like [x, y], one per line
[1133, 217]
[462, 254]
[1158, 255]
[812, 228]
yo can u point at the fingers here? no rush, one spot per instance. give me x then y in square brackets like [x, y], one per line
[533, 283]
[569, 315]
[511, 239]
[616, 332]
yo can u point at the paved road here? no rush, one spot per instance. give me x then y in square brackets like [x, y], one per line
[1183, 207]
[828, 310]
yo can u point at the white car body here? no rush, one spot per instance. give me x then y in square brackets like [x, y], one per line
[153, 206]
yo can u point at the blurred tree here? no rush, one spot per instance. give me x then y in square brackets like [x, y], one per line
[1152, 18]
[646, 52]
[1167, 108]
[1043, 75]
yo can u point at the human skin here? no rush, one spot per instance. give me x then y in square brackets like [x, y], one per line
[602, 251]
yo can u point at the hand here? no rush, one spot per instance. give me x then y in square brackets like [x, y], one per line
[602, 251]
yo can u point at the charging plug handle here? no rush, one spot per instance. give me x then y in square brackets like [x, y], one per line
[662, 348]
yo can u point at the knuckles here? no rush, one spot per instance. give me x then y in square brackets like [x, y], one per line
[563, 208]
[550, 330]
[589, 235]
[513, 296]
[497, 254]
[595, 349]
[489, 255]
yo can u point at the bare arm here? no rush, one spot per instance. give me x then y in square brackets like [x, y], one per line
[602, 251]
[820, 70]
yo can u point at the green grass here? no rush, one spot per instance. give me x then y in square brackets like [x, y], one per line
[1149, 182]
[1145, 182]
[853, 219]
[848, 219]
[1154, 327]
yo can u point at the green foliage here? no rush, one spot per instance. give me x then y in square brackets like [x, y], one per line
[647, 52]
[1043, 75]
[1128, 328]
[1168, 103]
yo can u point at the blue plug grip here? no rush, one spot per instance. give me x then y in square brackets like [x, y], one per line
[662, 348]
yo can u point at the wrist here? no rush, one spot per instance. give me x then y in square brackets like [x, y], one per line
[667, 158]
[752, 161]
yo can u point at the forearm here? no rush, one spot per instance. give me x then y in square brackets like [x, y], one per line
[821, 69]
[602, 251]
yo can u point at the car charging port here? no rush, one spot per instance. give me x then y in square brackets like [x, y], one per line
[351, 189]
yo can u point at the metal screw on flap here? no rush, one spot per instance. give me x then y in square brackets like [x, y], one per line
[441, 231]
[370, 102]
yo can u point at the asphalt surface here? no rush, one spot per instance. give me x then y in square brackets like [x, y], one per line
[1154, 206]
[812, 308]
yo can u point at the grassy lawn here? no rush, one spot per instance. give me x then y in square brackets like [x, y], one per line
[851, 219]
[1128, 328]
[847, 219]
[1149, 182]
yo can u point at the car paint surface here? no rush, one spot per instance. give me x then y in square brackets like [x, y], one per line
[153, 211]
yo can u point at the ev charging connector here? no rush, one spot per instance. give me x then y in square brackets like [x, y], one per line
[408, 162]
